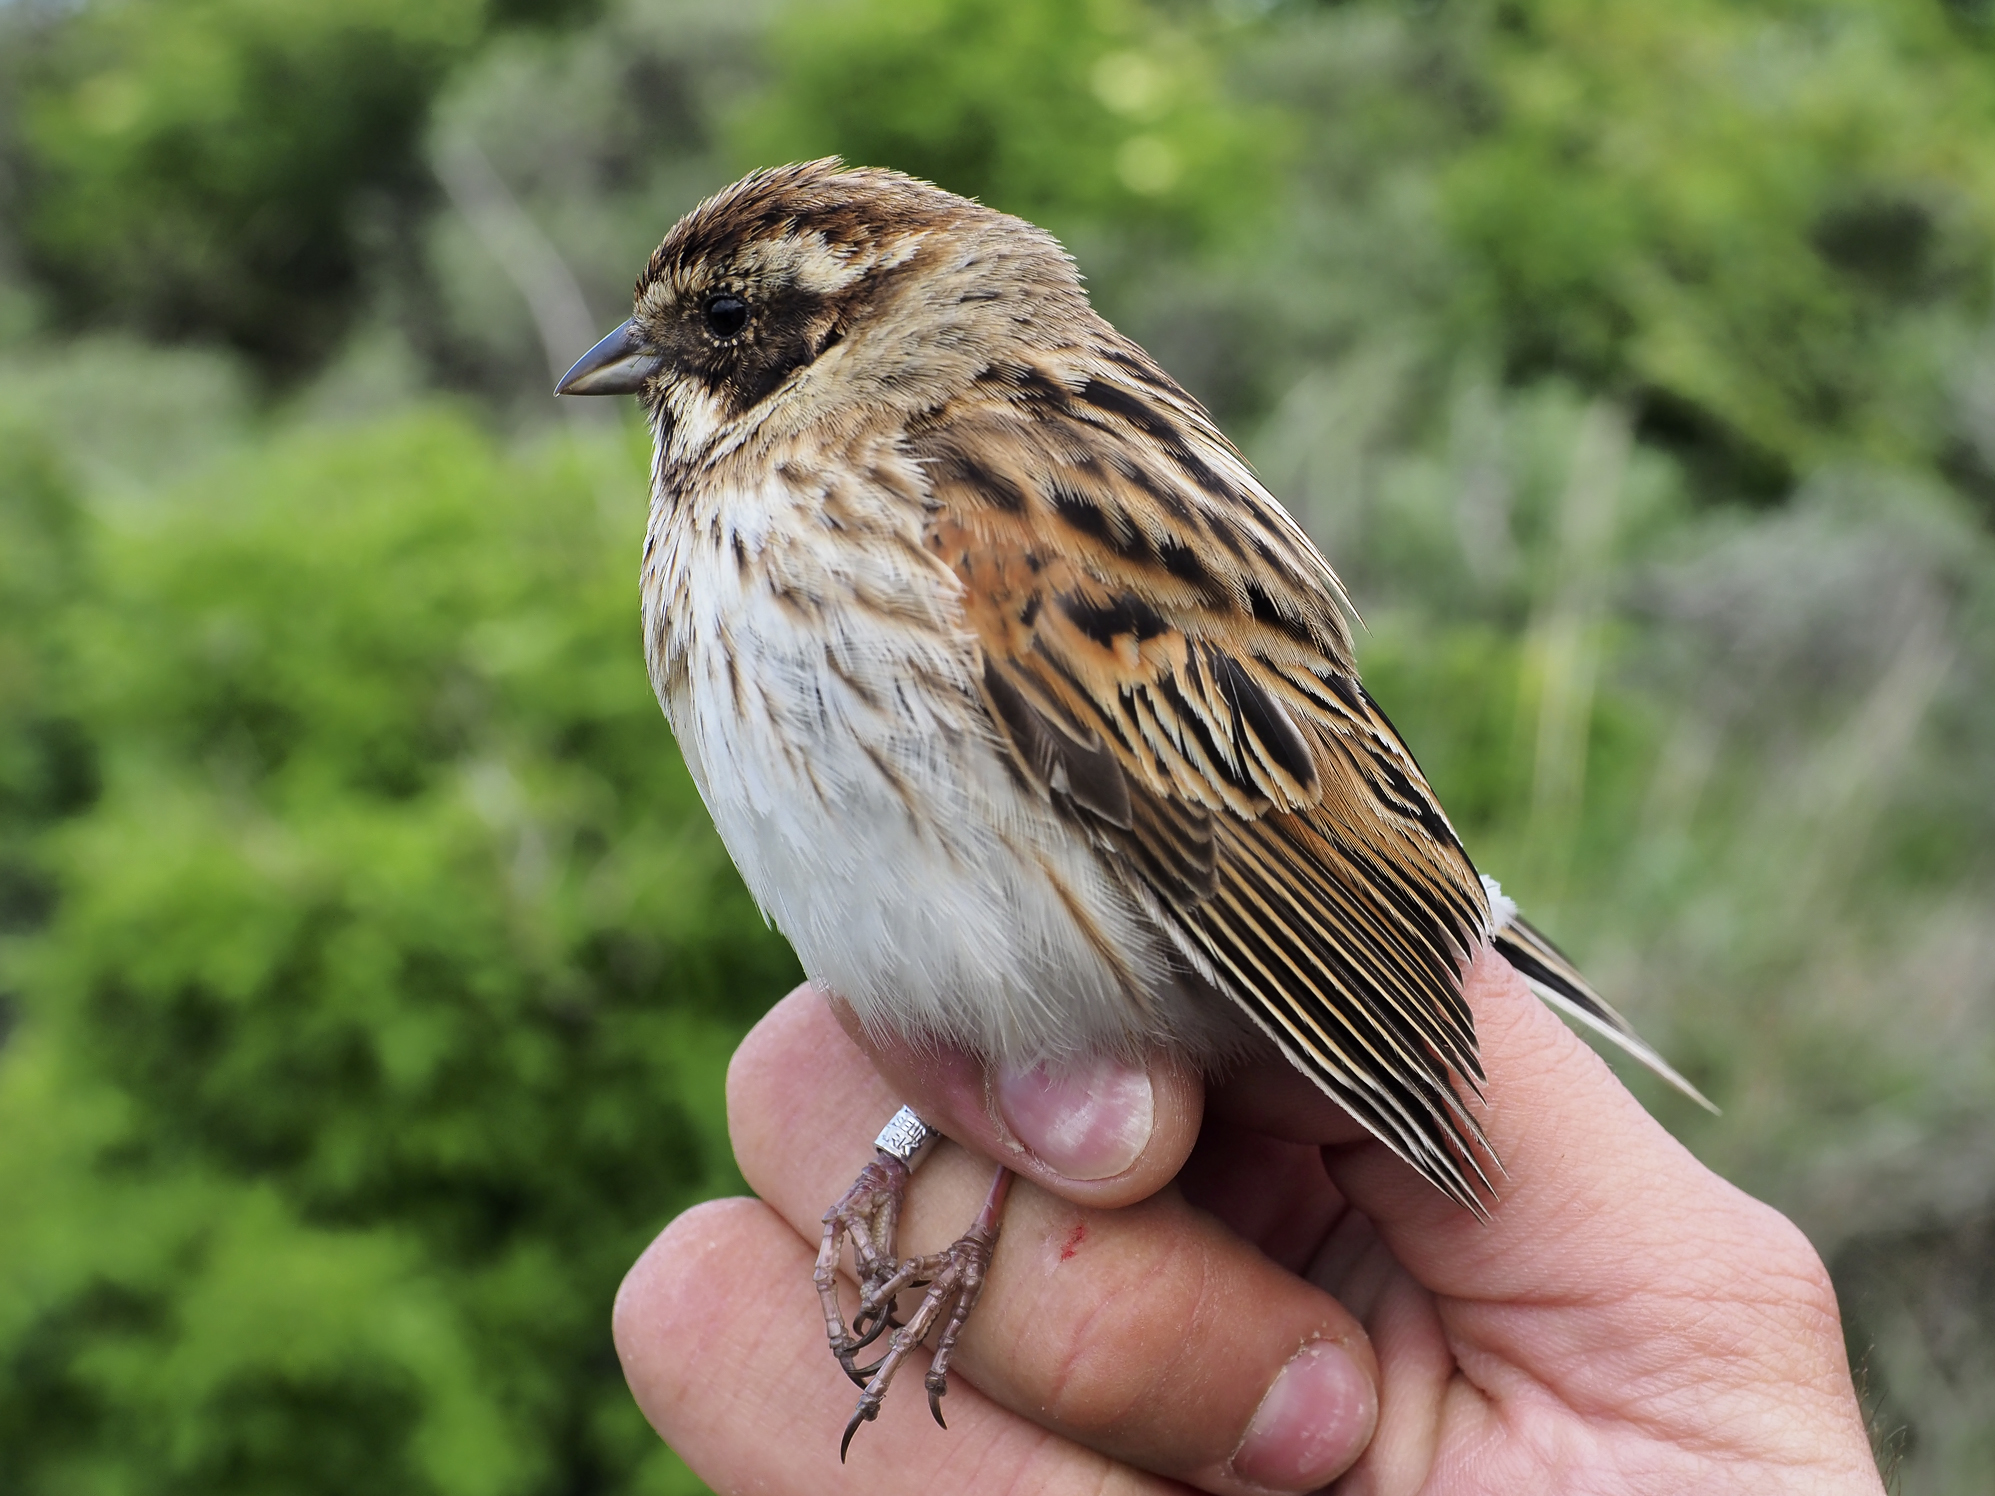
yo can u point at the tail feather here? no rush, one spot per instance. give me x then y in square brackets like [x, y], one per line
[1558, 982]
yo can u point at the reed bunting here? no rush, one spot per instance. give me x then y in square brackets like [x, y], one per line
[1026, 712]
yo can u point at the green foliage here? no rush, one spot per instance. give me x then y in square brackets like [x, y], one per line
[1769, 221]
[1076, 116]
[369, 966]
[201, 167]
[44, 773]
[380, 1021]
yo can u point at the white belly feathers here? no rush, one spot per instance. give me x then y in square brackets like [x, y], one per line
[811, 657]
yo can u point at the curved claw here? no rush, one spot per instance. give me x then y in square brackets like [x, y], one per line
[862, 1375]
[862, 1336]
[938, 1388]
[862, 1414]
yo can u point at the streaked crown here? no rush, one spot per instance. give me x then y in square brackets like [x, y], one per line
[909, 283]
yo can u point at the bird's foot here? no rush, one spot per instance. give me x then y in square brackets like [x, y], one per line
[869, 1216]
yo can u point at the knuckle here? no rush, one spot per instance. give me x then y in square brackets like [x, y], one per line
[751, 1071]
[1789, 1293]
[1788, 1255]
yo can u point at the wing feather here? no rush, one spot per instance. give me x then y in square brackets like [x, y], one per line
[1167, 655]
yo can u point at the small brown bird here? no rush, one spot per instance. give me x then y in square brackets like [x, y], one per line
[1024, 709]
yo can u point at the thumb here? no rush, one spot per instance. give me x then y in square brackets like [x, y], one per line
[1100, 1132]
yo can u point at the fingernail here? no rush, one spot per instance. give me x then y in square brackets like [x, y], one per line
[1315, 1420]
[1086, 1122]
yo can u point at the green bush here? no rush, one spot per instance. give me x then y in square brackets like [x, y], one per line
[1770, 221]
[1080, 117]
[368, 964]
[381, 1017]
[218, 169]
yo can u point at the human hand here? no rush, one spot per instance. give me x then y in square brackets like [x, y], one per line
[1626, 1321]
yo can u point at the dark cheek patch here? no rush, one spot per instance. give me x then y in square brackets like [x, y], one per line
[786, 331]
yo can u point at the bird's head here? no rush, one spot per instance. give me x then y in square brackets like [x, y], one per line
[811, 293]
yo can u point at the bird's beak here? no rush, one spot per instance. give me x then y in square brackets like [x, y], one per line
[618, 365]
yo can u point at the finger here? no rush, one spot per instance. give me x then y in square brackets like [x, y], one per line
[1583, 1165]
[1615, 1270]
[1274, 1194]
[1417, 1377]
[1100, 1133]
[1150, 1333]
[716, 1326]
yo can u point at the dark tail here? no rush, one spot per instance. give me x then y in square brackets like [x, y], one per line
[1558, 982]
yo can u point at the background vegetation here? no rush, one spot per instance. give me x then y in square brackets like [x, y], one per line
[367, 965]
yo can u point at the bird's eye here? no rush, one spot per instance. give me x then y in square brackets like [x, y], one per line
[726, 315]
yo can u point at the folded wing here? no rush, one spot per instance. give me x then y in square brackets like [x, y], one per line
[1167, 655]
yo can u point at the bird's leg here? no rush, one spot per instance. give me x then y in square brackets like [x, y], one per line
[869, 1214]
[970, 1259]
[954, 1278]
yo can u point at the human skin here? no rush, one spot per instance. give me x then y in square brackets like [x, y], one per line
[1625, 1321]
